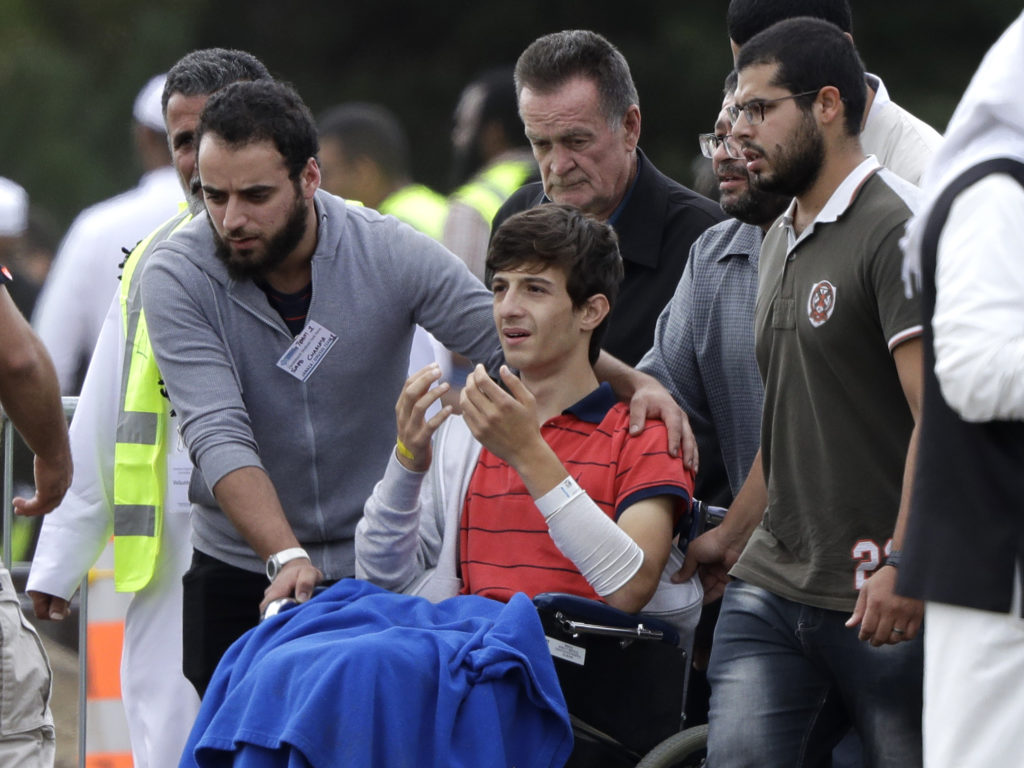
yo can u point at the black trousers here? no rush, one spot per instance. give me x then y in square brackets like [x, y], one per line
[220, 603]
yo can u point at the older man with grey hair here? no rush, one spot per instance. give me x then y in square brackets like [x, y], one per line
[581, 113]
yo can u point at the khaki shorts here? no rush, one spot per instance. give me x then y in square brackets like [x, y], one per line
[26, 725]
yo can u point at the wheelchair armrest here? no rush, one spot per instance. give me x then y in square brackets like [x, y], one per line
[579, 608]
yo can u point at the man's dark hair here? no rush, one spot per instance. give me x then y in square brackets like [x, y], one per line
[746, 18]
[488, 100]
[553, 235]
[552, 60]
[262, 110]
[207, 70]
[499, 104]
[372, 131]
[811, 54]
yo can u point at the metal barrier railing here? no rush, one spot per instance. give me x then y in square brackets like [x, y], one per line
[70, 403]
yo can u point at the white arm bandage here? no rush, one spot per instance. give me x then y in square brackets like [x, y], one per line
[605, 554]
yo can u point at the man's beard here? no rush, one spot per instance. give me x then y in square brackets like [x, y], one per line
[278, 247]
[753, 206]
[797, 169]
[194, 195]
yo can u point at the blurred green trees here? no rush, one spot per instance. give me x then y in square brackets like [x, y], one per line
[69, 71]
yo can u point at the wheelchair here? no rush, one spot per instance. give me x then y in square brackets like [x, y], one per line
[624, 679]
[623, 676]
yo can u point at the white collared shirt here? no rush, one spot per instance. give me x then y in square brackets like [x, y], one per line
[901, 142]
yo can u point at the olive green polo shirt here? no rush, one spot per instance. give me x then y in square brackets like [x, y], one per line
[836, 425]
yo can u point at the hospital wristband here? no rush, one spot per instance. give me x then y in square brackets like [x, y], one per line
[402, 450]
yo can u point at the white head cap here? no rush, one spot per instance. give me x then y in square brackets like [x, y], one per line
[13, 209]
[148, 108]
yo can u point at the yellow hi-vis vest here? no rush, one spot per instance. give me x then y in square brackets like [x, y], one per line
[420, 207]
[486, 191]
[140, 460]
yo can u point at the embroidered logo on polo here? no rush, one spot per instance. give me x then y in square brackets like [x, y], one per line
[821, 303]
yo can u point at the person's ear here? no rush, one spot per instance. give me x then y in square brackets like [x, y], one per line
[831, 103]
[309, 178]
[631, 127]
[593, 311]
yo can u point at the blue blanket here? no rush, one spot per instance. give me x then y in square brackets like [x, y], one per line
[360, 676]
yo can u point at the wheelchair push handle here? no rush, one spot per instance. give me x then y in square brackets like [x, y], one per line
[282, 604]
[703, 517]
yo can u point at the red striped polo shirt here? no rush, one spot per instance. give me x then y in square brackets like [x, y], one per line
[504, 543]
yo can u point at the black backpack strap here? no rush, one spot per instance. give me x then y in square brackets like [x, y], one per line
[940, 211]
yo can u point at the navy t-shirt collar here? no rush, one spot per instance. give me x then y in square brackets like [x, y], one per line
[595, 406]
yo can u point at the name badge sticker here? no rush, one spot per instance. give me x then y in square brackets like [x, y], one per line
[307, 351]
[178, 497]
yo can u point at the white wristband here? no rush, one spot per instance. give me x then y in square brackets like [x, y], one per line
[558, 497]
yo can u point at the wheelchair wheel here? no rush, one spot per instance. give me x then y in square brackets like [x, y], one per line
[686, 749]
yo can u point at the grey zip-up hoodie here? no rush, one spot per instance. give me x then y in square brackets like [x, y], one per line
[323, 442]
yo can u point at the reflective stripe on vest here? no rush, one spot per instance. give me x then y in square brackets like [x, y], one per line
[420, 207]
[488, 190]
[140, 461]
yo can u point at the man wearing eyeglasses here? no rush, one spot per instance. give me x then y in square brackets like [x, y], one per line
[703, 348]
[703, 353]
[811, 639]
[901, 142]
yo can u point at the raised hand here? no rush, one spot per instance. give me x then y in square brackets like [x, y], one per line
[414, 429]
[504, 422]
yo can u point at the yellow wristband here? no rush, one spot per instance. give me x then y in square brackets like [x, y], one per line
[403, 451]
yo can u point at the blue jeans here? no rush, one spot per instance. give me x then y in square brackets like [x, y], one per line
[788, 680]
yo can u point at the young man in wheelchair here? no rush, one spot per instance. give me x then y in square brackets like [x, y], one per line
[537, 486]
